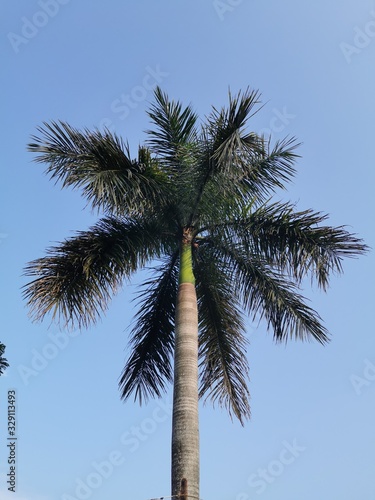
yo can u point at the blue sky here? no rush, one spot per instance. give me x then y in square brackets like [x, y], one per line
[94, 64]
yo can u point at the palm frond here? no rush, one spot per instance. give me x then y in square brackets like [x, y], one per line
[268, 168]
[236, 165]
[224, 130]
[266, 293]
[100, 165]
[296, 242]
[77, 278]
[175, 129]
[254, 174]
[148, 368]
[222, 143]
[222, 345]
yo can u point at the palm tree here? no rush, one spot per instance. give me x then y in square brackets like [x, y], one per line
[3, 361]
[196, 205]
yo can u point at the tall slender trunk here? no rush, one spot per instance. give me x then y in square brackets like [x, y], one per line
[185, 425]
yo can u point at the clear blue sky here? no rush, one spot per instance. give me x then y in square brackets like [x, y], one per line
[93, 63]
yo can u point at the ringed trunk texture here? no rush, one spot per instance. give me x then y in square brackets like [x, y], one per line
[185, 424]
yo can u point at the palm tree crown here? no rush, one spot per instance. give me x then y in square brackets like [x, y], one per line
[209, 185]
[196, 205]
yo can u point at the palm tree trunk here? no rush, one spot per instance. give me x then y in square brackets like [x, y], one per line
[185, 425]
